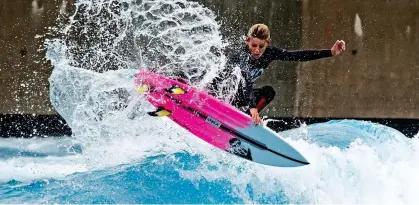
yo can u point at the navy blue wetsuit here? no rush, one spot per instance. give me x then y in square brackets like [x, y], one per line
[252, 69]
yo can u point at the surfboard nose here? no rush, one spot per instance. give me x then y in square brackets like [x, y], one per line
[292, 156]
[270, 148]
[289, 158]
[300, 159]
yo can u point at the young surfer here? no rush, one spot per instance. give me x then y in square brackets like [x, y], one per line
[254, 57]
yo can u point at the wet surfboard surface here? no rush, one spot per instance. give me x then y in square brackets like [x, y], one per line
[215, 121]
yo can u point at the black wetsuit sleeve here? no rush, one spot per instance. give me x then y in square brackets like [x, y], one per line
[299, 55]
[252, 100]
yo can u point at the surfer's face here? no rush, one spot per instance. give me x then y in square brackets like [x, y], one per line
[256, 46]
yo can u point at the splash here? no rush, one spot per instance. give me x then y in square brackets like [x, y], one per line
[96, 54]
[171, 37]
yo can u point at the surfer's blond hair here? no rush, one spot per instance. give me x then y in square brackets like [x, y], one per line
[260, 31]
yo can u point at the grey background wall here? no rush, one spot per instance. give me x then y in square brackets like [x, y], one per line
[376, 77]
[23, 71]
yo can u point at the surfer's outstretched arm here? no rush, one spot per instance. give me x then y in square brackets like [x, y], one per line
[307, 55]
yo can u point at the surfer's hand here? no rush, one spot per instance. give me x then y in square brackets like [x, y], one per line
[255, 116]
[338, 48]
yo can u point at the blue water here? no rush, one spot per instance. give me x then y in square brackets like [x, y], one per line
[351, 162]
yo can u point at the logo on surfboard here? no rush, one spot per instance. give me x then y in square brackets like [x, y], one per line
[238, 149]
[213, 122]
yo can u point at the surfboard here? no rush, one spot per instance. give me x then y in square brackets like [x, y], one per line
[215, 121]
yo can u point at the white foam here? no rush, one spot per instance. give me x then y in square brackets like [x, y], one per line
[358, 174]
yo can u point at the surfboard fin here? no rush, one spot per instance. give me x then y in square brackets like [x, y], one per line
[142, 88]
[176, 90]
[160, 112]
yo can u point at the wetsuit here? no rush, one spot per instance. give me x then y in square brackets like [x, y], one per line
[252, 69]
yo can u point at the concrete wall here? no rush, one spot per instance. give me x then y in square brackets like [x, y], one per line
[376, 77]
[23, 70]
[378, 74]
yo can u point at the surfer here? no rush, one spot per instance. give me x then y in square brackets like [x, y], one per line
[253, 58]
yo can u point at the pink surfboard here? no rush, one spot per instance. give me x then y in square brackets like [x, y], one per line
[217, 122]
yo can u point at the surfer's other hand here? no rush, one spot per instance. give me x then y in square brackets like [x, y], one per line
[255, 116]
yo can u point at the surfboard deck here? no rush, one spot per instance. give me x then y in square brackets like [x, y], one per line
[216, 122]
